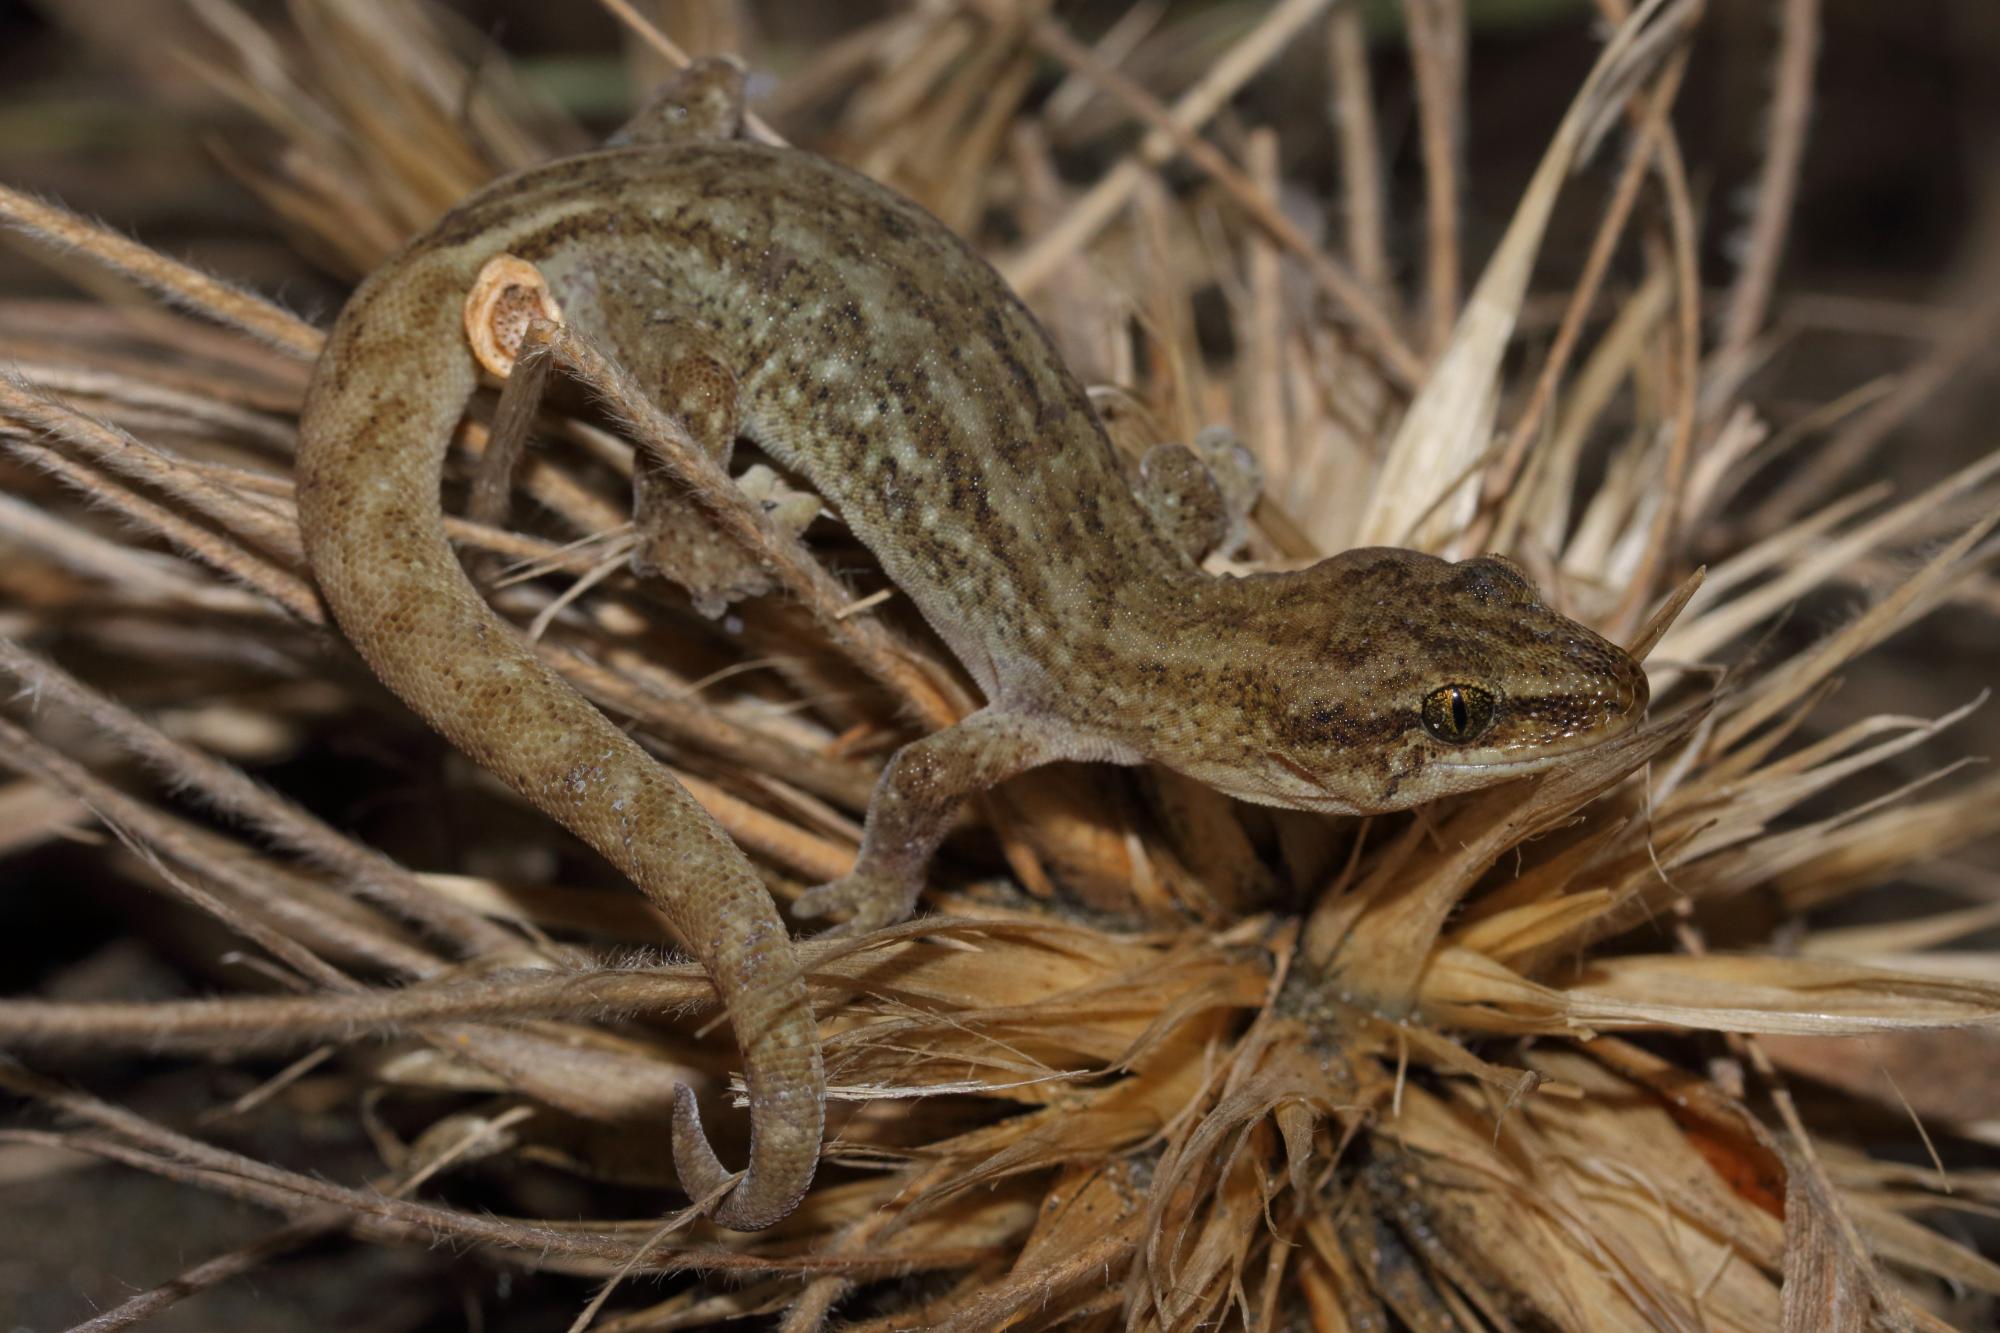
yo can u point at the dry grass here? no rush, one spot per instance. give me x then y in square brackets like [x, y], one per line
[1217, 1066]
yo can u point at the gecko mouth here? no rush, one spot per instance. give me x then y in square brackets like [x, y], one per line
[1504, 767]
[1540, 756]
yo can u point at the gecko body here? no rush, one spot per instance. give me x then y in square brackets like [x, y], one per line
[767, 293]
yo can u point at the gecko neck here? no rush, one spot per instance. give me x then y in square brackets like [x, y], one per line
[1189, 609]
[1166, 628]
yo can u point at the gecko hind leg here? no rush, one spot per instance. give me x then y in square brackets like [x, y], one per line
[915, 799]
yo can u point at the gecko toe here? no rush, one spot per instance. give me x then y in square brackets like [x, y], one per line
[867, 902]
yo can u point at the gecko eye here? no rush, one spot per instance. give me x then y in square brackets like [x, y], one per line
[1456, 714]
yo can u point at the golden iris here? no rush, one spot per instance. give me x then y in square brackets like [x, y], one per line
[1456, 714]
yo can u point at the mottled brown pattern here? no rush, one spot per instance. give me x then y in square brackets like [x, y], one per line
[877, 356]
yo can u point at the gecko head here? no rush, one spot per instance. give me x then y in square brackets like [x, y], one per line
[1389, 678]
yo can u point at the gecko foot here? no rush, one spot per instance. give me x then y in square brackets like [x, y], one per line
[870, 902]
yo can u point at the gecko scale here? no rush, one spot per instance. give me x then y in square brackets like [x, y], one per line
[767, 293]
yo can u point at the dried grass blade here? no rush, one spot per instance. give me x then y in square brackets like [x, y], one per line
[272, 1024]
[23, 753]
[1360, 151]
[1663, 619]
[1715, 626]
[1379, 939]
[1282, 22]
[1115, 189]
[1446, 432]
[368, 873]
[118, 452]
[1723, 993]
[177, 284]
[290, 593]
[1539, 502]
[1789, 683]
[1435, 30]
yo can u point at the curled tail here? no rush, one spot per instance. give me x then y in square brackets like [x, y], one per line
[379, 415]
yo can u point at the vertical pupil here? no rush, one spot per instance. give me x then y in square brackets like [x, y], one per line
[1459, 718]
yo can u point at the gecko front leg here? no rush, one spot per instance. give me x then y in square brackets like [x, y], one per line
[1200, 499]
[916, 797]
[1200, 496]
[696, 386]
[676, 540]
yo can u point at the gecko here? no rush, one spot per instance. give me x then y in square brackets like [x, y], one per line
[766, 293]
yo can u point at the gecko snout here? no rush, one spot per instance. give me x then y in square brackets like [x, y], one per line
[1589, 688]
[1620, 690]
[1629, 693]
